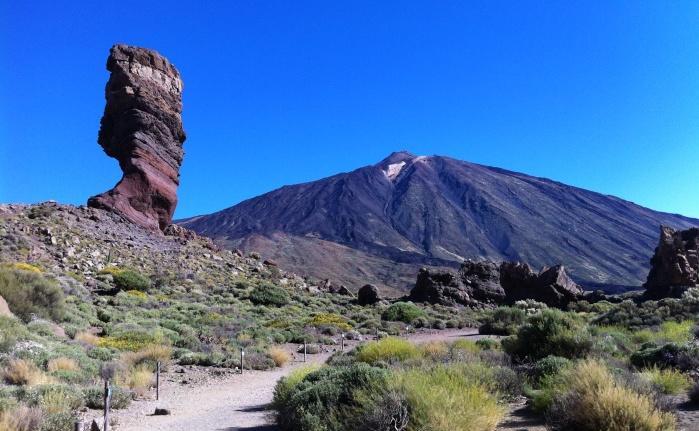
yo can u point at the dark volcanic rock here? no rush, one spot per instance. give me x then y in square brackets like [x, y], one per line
[551, 286]
[475, 283]
[675, 264]
[142, 129]
[479, 283]
[368, 295]
[380, 224]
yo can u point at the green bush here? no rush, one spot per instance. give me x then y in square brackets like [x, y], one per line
[269, 294]
[403, 312]
[444, 398]
[503, 321]
[670, 355]
[128, 279]
[547, 367]
[94, 397]
[326, 398]
[29, 293]
[668, 381]
[390, 349]
[552, 332]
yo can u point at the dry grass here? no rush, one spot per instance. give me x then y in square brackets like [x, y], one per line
[148, 355]
[22, 418]
[23, 372]
[87, 338]
[139, 379]
[62, 364]
[435, 349]
[596, 401]
[279, 356]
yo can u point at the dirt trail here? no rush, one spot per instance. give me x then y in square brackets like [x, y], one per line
[227, 402]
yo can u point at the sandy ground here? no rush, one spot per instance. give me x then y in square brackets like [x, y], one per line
[206, 399]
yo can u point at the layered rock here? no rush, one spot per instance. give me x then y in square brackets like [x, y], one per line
[675, 264]
[484, 283]
[142, 129]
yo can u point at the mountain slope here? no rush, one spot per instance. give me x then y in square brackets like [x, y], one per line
[438, 211]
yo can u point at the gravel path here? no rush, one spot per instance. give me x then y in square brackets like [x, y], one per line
[219, 400]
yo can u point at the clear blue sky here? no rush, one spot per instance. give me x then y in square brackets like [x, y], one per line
[602, 95]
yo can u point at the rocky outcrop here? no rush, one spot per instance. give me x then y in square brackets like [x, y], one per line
[368, 295]
[552, 286]
[142, 129]
[675, 264]
[484, 283]
[474, 284]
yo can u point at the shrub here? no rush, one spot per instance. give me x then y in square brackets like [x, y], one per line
[23, 372]
[130, 340]
[435, 349]
[94, 397]
[128, 279]
[22, 418]
[87, 338]
[403, 312]
[330, 319]
[324, 399]
[54, 399]
[29, 293]
[671, 355]
[547, 367]
[150, 355]
[552, 332]
[595, 401]
[279, 356]
[269, 294]
[285, 386]
[668, 381]
[504, 321]
[444, 399]
[389, 349]
[139, 379]
[62, 364]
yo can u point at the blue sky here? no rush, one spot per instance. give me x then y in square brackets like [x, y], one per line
[601, 95]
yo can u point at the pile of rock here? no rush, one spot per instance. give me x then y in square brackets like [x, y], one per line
[487, 283]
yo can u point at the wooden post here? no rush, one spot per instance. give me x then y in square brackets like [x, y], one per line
[107, 399]
[342, 346]
[78, 425]
[304, 350]
[157, 381]
[377, 333]
[242, 360]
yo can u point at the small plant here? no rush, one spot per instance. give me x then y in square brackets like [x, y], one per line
[128, 279]
[29, 293]
[87, 338]
[62, 364]
[279, 356]
[403, 312]
[504, 321]
[269, 294]
[390, 349]
[23, 372]
[94, 397]
[668, 381]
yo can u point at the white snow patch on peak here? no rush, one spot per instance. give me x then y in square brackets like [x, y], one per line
[393, 170]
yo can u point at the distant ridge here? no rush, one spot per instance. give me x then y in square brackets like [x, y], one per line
[380, 223]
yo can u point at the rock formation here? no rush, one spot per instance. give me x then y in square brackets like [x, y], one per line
[368, 295]
[142, 129]
[482, 283]
[551, 286]
[675, 264]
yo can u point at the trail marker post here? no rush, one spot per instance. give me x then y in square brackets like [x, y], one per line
[79, 425]
[107, 399]
[157, 381]
[242, 360]
[304, 350]
[342, 346]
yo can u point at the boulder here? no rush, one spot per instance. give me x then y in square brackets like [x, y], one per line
[675, 264]
[476, 283]
[142, 129]
[368, 295]
[482, 280]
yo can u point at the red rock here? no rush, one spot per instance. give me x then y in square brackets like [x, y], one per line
[142, 129]
[675, 264]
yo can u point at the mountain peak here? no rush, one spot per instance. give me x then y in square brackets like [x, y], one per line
[397, 157]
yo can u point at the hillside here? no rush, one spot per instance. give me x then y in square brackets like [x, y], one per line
[379, 223]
